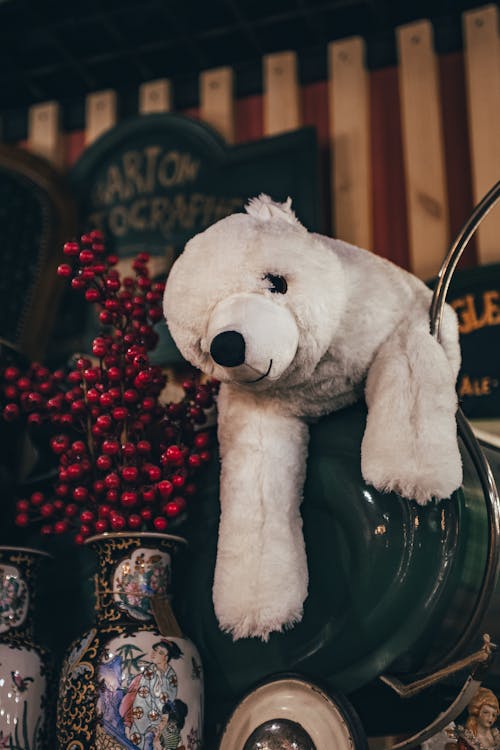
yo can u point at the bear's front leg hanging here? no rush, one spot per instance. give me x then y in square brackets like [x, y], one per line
[410, 443]
[261, 576]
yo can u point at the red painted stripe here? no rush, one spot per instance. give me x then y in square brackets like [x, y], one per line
[390, 228]
[456, 146]
[74, 146]
[249, 119]
[315, 112]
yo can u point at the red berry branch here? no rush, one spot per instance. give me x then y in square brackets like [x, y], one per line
[125, 459]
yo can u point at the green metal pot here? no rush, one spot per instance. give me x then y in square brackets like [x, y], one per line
[393, 586]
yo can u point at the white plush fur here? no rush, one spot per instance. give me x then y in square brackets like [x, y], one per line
[349, 322]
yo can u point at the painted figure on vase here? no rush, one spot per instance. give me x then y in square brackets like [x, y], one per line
[168, 733]
[146, 710]
[479, 732]
[13, 598]
[147, 694]
[137, 579]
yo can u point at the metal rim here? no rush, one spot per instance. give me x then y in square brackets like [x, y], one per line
[107, 535]
[479, 459]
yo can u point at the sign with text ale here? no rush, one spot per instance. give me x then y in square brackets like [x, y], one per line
[475, 296]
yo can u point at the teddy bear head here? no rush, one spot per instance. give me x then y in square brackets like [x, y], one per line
[255, 299]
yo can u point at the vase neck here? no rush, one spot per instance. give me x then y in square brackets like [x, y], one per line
[133, 571]
[18, 572]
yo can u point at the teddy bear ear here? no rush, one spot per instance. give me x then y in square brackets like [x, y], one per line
[265, 209]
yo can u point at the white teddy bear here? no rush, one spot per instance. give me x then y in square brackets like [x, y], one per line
[296, 325]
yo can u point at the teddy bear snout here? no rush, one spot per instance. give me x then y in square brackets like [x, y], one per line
[228, 349]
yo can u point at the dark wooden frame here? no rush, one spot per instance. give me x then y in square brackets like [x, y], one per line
[40, 312]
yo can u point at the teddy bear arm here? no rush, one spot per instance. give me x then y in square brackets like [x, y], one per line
[410, 443]
[260, 580]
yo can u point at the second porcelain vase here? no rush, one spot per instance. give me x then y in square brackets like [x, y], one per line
[25, 668]
[133, 681]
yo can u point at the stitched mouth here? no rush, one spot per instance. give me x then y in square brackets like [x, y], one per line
[261, 377]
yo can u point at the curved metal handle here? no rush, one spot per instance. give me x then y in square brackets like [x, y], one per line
[479, 459]
[455, 253]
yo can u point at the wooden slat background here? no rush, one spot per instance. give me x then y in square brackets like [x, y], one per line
[405, 151]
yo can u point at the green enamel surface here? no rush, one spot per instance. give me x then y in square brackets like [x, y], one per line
[391, 583]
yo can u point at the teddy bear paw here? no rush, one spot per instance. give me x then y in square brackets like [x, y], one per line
[257, 622]
[248, 612]
[430, 482]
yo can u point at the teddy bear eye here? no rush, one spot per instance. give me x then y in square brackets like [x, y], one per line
[278, 283]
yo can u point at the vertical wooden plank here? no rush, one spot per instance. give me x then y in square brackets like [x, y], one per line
[217, 101]
[44, 132]
[155, 96]
[349, 105]
[482, 66]
[423, 148]
[100, 114]
[282, 103]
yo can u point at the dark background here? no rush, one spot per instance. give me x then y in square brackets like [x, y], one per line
[64, 50]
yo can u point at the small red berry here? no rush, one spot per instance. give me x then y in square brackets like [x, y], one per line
[134, 521]
[37, 498]
[144, 447]
[128, 450]
[130, 473]
[80, 494]
[112, 481]
[104, 422]
[130, 396]
[112, 496]
[111, 447]
[148, 494]
[22, 506]
[178, 480]
[120, 413]
[118, 523]
[11, 412]
[160, 523]
[172, 509]
[86, 257]
[64, 270]
[71, 248]
[128, 499]
[103, 462]
[165, 488]
[154, 473]
[202, 439]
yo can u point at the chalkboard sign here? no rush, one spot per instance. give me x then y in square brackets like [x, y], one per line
[154, 181]
[36, 217]
[475, 296]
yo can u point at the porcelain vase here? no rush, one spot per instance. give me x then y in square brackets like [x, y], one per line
[132, 681]
[25, 667]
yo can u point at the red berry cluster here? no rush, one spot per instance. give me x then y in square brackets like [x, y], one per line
[126, 460]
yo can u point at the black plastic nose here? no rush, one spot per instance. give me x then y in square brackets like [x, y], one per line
[228, 349]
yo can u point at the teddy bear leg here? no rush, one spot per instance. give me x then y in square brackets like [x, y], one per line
[410, 442]
[260, 580]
